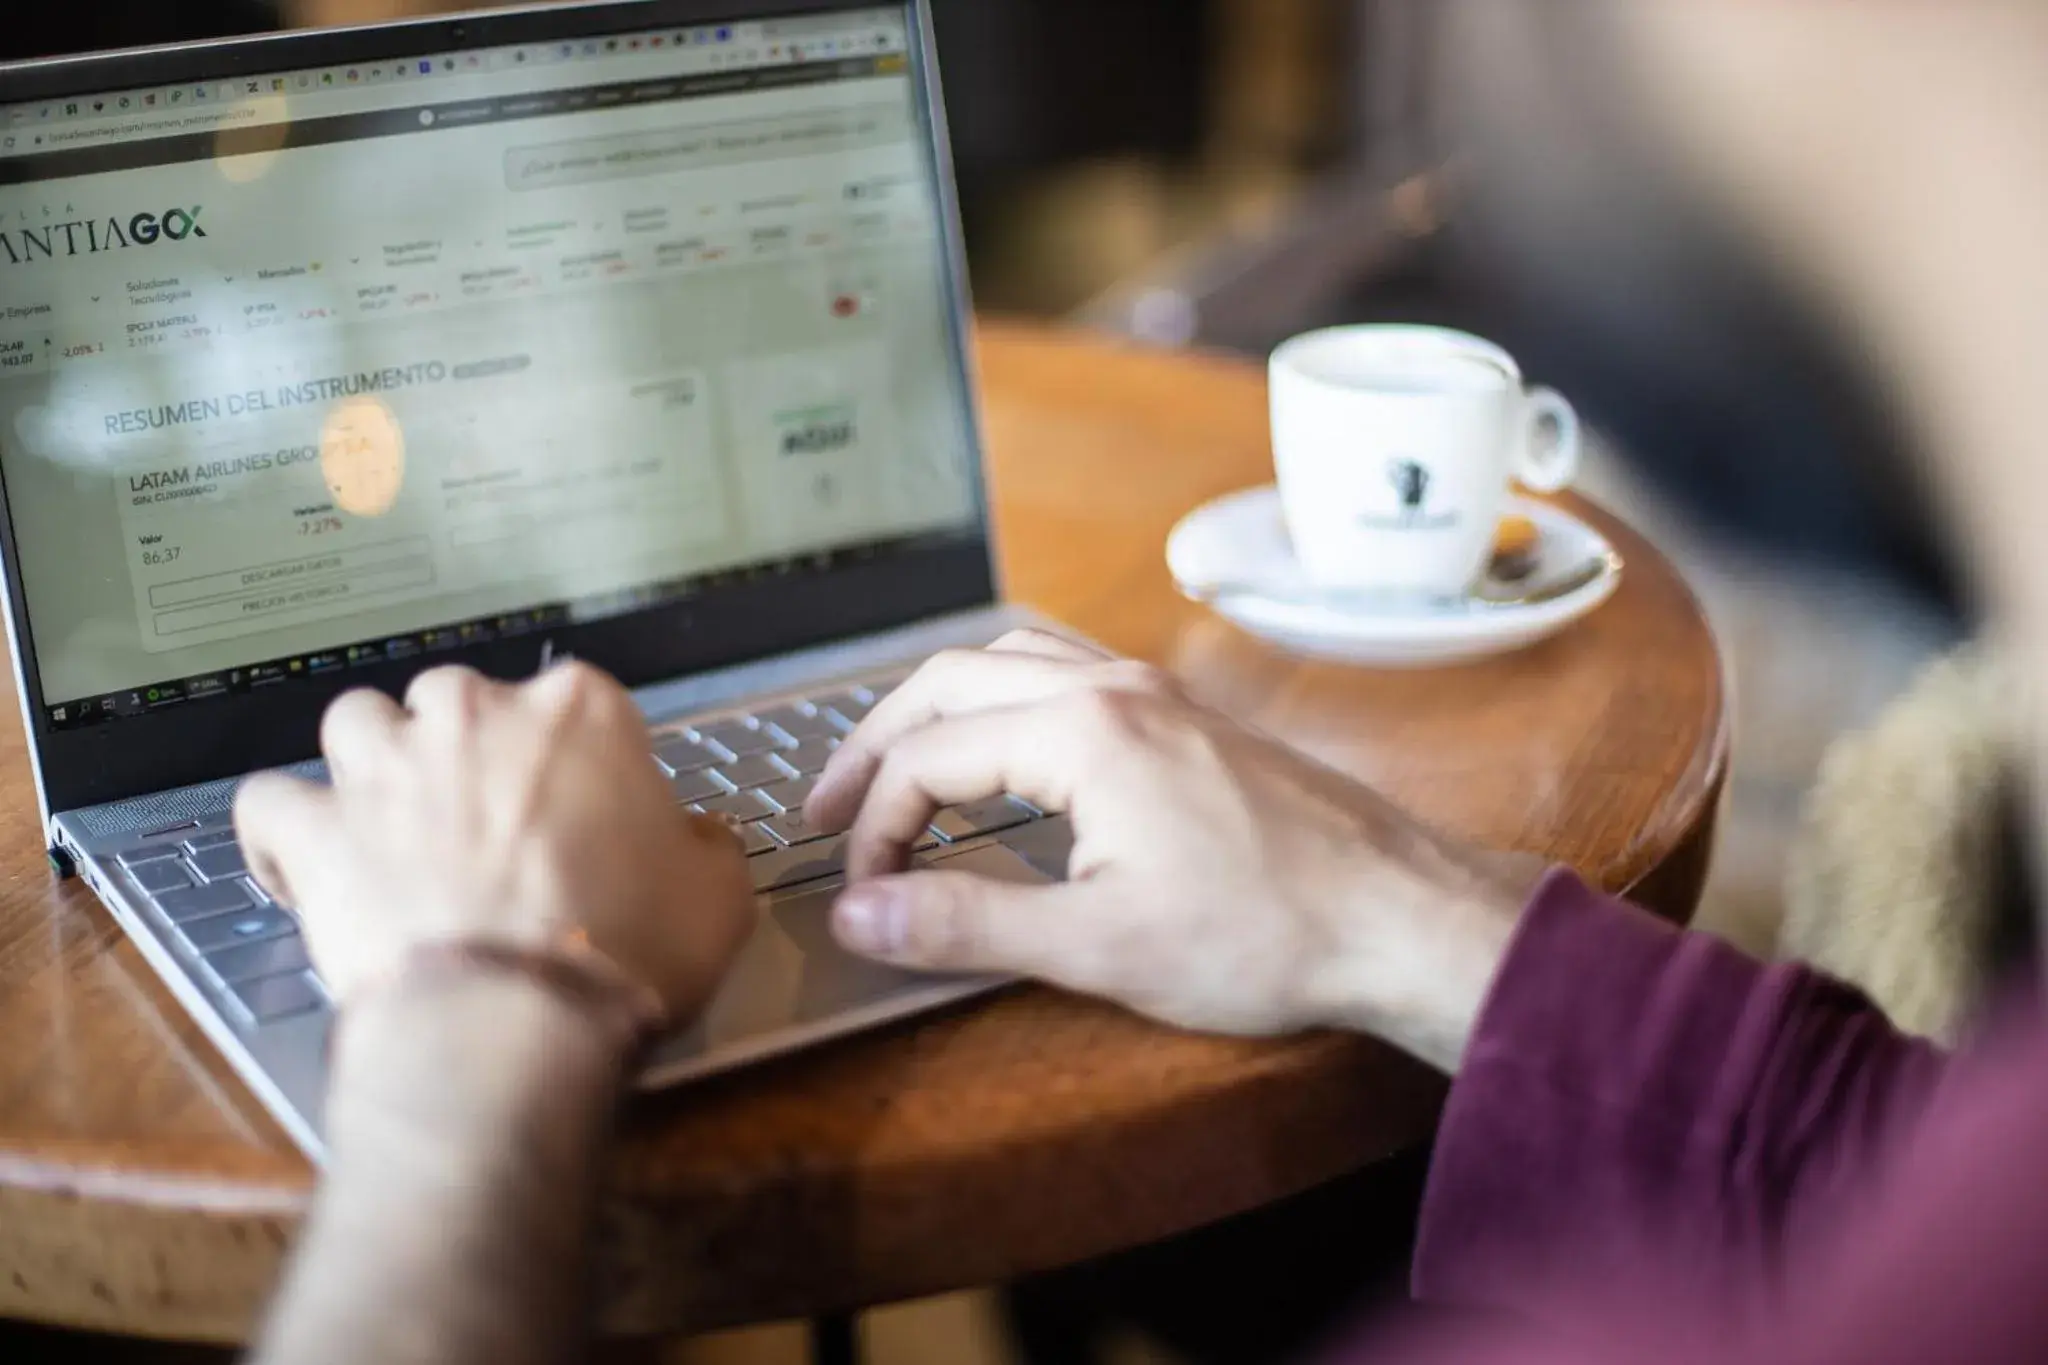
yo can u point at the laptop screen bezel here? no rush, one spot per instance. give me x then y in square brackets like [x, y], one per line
[725, 626]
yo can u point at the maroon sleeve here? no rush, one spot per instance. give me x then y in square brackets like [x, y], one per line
[1650, 1107]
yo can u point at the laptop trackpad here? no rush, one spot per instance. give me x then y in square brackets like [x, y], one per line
[794, 975]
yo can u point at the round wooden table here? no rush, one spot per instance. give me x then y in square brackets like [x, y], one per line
[144, 1192]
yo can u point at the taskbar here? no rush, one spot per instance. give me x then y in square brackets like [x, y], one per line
[171, 694]
[156, 698]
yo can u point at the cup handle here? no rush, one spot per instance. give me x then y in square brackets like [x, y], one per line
[1549, 459]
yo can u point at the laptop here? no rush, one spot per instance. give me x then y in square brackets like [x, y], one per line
[629, 331]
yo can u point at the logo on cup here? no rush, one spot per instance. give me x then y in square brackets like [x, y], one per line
[1411, 484]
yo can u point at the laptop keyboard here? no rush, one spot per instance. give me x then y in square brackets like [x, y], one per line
[754, 770]
[757, 770]
[248, 945]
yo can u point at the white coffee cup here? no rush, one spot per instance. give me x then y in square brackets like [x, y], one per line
[1396, 448]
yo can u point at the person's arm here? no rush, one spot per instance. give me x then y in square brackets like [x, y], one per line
[1631, 1095]
[1640, 1105]
[1938, 1258]
[466, 1121]
[1890, 153]
[505, 900]
[1707, 1111]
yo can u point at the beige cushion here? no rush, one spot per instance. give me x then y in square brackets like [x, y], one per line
[1895, 867]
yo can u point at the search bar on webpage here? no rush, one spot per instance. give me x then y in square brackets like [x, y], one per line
[827, 132]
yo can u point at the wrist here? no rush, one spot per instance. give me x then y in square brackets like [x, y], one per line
[466, 1129]
[563, 963]
[1417, 955]
[455, 1059]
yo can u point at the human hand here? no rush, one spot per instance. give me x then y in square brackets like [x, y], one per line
[520, 815]
[1219, 880]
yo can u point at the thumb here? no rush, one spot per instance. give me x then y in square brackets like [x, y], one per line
[958, 922]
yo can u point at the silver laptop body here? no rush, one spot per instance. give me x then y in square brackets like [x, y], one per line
[632, 331]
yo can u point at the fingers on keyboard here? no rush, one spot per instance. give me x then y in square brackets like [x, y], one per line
[757, 771]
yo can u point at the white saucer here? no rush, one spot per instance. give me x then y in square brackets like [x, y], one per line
[1243, 539]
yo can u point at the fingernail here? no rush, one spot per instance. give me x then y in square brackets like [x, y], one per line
[871, 920]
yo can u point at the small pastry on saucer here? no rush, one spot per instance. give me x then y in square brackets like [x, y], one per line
[1517, 549]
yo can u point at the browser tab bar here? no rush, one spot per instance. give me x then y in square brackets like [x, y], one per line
[132, 115]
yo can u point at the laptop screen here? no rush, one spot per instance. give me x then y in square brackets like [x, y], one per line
[307, 372]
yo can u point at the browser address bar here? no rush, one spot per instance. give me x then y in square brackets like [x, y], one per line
[164, 125]
[253, 111]
[286, 107]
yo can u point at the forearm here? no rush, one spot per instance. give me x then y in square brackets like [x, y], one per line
[466, 1124]
[1642, 1105]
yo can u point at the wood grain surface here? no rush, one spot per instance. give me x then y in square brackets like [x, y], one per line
[143, 1191]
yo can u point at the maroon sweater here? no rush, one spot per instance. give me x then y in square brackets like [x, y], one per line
[1660, 1150]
